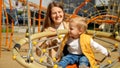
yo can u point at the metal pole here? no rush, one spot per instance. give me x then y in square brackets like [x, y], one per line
[34, 22]
[29, 36]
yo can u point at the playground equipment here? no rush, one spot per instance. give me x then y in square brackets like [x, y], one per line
[13, 17]
[16, 55]
[32, 60]
[0, 26]
[38, 7]
[6, 23]
[107, 16]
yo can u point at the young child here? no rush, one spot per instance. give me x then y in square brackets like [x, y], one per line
[79, 45]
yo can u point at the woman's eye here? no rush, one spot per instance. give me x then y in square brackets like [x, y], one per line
[59, 12]
[53, 13]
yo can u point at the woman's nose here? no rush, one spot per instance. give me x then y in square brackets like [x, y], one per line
[57, 14]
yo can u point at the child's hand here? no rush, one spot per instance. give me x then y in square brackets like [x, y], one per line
[109, 54]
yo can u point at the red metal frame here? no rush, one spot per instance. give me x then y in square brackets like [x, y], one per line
[0, 25]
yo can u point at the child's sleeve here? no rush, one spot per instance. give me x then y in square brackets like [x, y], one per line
[99, 47]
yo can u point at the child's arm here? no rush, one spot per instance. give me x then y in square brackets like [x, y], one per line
[99, 47]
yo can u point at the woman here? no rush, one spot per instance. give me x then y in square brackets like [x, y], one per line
[54, 20]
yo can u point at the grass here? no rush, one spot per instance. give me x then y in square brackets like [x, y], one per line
[4, 30]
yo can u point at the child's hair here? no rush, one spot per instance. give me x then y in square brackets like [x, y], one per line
[80, 21]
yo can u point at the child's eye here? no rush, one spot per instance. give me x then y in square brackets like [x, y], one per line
[71, 28]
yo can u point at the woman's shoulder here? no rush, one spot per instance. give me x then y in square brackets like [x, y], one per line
[66, 24]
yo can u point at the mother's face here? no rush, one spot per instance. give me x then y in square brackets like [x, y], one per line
[57, 15]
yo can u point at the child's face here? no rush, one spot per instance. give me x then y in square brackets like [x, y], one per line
[74, 31]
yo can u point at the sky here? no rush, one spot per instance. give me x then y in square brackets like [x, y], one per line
[99, 2]
[44, 2]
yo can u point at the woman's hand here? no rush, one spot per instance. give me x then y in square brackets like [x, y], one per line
[50, 29]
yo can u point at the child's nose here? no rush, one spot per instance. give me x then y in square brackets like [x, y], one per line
[69, 30]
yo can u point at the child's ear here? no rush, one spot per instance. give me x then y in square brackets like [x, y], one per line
[80, 31]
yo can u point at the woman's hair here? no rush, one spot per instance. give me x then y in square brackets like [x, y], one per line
[81, 22]
[48, 21]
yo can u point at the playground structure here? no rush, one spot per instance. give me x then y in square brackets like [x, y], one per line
[10, 18]
[108, 16]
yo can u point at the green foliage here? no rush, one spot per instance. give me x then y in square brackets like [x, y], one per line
[4, 30]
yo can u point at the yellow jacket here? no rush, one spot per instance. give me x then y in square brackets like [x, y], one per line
[85, 47]
[87, 50]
